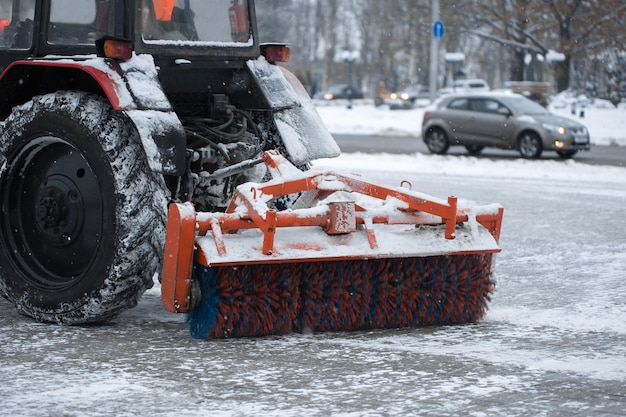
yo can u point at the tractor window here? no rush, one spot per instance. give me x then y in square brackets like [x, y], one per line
[16, 23]
[72, 22]
[196, 21]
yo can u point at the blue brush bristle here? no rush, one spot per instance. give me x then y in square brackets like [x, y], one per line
[202, 320]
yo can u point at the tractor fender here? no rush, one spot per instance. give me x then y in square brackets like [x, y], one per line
[131, 87]
[301, 128]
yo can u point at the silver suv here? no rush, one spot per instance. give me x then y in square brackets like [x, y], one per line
[507, 121]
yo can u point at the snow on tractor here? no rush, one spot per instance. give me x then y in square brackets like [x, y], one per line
[114, 109]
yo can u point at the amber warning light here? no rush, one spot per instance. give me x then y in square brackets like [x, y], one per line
[114, 48]
[276, 52]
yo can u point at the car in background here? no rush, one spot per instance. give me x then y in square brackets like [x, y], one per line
[408, 96]
[460, 86]
[500, 120]
[340, 91]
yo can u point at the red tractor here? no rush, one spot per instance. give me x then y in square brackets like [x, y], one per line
[110, 110]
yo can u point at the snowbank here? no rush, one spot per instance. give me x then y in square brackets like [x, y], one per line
[468, 166]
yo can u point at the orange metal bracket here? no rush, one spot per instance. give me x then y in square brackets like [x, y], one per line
[178, 258]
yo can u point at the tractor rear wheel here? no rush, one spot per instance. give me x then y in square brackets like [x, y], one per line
[83, 217]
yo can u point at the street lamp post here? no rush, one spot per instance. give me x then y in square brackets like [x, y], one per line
[434, 53]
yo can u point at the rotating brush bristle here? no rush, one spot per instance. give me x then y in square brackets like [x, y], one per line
[257, 300]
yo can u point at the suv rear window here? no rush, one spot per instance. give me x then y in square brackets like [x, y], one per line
[458, 104]
[484, 105]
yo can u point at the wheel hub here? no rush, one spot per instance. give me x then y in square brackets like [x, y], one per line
[52, 211]
[58, 210]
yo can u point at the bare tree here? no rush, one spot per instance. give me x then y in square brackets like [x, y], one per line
[501, 39]
[582, 27]
[514, 25]
[274, 17]
[396, 34]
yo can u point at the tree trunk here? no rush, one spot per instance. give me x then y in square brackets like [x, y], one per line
[517, 65]
[561, 73]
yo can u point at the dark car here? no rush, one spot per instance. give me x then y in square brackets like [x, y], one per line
[507, 121]
[340, 91]
[406, 98]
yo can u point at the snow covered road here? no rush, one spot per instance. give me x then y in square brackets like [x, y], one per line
[553, 342]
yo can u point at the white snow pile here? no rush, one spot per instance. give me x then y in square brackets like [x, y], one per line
[468, 166]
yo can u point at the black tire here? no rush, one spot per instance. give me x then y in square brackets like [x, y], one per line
[529, 145]
[474, 149]
[83, 217]
[437, 141]
[567, 154]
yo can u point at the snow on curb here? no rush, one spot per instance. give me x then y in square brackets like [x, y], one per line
[449, 165]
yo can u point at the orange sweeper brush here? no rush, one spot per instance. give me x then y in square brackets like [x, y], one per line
[350, 255]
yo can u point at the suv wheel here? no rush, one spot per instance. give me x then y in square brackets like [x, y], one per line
[530, 146]
[83, 217]
[437, 141]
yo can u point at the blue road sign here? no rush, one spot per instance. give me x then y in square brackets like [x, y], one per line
[438, 29]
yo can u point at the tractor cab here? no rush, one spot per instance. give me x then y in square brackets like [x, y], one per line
[36, 28]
